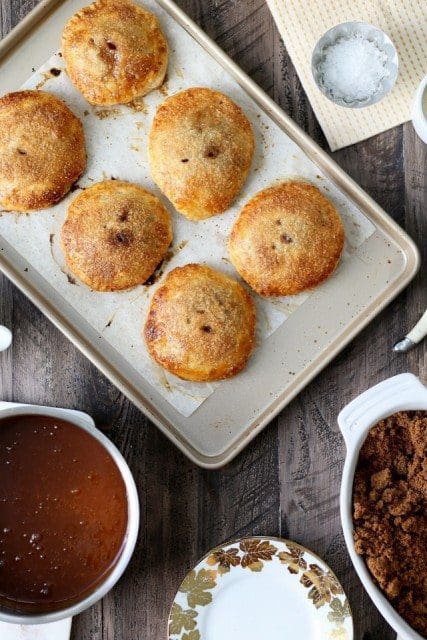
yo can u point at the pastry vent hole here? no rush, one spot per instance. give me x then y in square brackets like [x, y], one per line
[184, 160]
[123, 238]
[212, 152]
[22, 152]
[286, 239]
[111, 45]
[206, 328]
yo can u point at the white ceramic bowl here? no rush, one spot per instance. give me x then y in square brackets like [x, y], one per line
[85, 422]
[369, 32]
[404, 392]
[419, 110]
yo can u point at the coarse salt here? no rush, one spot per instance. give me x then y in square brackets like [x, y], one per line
[353, 68]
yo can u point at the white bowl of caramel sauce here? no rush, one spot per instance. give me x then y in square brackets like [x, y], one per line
[69, 513]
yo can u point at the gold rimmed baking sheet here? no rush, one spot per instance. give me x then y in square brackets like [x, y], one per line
[211, 423]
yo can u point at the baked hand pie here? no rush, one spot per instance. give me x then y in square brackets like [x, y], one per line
[115, 51]
[287, 238]
[42, 150]
[115, 235]
[201, 146]
[201, 324]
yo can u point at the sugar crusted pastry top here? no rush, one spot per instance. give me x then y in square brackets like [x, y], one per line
[42, 150]
[287, 238]
[201, 324]
[115, 235]
[115, 51]
[200, 147]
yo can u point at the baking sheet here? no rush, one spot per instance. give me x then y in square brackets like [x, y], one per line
[116, 139]
[299, 348]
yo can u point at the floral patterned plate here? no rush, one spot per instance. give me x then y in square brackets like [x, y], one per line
[260, 589]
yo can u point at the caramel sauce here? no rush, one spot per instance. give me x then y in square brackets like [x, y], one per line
[63, 513]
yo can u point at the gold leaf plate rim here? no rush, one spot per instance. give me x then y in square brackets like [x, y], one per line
[211, 573]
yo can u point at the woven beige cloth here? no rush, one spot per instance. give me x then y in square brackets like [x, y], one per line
[302, 22]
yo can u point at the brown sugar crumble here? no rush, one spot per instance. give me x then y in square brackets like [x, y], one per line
[389, 511]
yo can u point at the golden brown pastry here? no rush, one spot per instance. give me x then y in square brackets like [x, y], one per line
[201, 324]
[115, 235]
[42, 150]
[200, 147]
[115, 51]
[286, 239]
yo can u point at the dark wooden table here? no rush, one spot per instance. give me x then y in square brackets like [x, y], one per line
[286, 483]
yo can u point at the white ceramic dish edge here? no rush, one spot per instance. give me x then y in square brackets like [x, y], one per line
[86, 422]
[59, 630]
[419, 117]
[399, 393]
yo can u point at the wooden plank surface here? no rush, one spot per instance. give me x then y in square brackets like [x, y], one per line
[286, 483]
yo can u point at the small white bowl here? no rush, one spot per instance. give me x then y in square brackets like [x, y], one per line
[419, 110]
[371, 33]
[404, 392]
